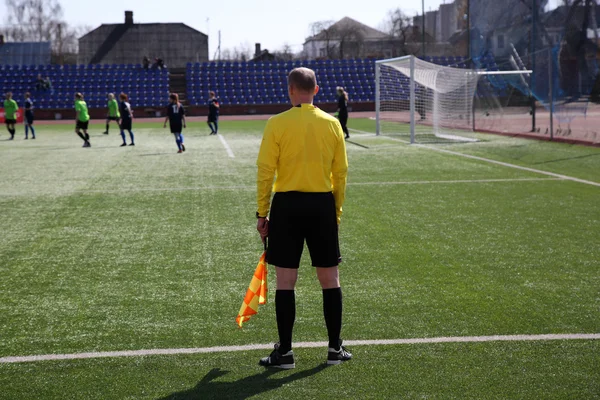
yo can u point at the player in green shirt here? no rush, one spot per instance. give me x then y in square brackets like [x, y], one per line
[10, 114]
[82, 117]
[113, 111]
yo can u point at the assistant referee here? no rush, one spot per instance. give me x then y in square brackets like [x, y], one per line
[304, 149]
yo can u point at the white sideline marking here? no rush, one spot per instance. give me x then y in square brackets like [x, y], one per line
[228, 349]
[248, 187]
[504, 164]
[226, 145]
[454, 181]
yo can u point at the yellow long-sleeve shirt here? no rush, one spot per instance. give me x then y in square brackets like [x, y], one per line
[304, 149]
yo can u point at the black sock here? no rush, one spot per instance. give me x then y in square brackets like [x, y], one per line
[107, 127]
[285, 309]
[81, 135]
[87, 137]
[332, 310]
[12, 131]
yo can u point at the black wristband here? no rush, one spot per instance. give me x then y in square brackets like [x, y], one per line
[258, 216]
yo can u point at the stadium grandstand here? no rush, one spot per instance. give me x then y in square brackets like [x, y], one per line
[145, 87]
[247, 83]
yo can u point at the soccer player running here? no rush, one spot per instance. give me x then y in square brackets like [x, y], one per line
[176, 118]
[29, 116]
[304, 150]
[126, 116]
[82, 118]
[213, 113]
[342, 112]
[10, 114]
[113, 112]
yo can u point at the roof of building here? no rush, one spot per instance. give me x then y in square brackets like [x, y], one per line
[349, 23]
[144, 27]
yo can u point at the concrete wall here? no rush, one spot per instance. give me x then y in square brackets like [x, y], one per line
[176, 44]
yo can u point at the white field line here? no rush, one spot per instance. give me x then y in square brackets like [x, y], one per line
[227, 349]
[248, 187]
[504, 164]
[226, 145]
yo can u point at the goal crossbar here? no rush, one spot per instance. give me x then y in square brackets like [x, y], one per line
[442, 96]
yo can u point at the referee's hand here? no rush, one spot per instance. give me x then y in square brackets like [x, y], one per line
[262, 226]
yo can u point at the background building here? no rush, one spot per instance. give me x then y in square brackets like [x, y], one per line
[127, 43]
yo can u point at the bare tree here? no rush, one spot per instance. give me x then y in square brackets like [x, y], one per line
[41, 20]
[241, 52]
[325, 31]
[351, 41]
[399, 26]
[285, 53]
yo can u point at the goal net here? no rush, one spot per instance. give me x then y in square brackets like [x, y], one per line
[424, 102]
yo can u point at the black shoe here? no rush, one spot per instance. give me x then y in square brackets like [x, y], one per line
[123, 145]
[278, 360]
[106, 133]
[26, 138]
[12, 137]
[33, 138]
[132, 144]
[335, 357]
[88, 144]
[182, 147]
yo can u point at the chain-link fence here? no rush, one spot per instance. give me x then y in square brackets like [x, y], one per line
[559, 43]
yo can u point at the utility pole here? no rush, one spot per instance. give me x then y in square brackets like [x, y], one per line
[532, 83]
[468, 17]
[423, 28]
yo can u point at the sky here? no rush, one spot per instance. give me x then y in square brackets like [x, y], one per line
[272, 23]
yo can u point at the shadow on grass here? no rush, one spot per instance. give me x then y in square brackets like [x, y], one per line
[567, 159]
[155, 154]
[241, 389]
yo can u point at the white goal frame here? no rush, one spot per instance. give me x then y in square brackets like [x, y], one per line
[412, 91]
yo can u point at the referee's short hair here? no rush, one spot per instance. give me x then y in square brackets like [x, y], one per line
[303, 79]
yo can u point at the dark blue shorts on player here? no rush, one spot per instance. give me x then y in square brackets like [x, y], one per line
[296, 217]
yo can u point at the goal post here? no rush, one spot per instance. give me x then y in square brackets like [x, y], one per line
[426, 102]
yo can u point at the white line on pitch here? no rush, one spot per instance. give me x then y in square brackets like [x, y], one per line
[227, 349]
[248, 187]
[504, 164]
[226, 145]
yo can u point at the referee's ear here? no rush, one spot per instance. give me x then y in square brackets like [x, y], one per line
[316, 89]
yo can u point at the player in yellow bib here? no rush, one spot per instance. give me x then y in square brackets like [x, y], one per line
[10, 114]
[113, 112]
[82, 119]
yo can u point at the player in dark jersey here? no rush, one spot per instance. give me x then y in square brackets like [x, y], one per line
[126, 116]
[176, 118]
[342, 112]
[213, 113]
[29, 116]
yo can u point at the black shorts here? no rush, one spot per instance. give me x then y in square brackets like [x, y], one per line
[176, 128]
[126, 124]
[213, 118]
[29, 118]
[296, 217]
[112, 118]
[10, 121]
[82, 125]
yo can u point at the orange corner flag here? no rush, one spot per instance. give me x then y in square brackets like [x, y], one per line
[256, 293]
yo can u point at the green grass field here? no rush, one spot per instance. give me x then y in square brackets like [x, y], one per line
[110, 249]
